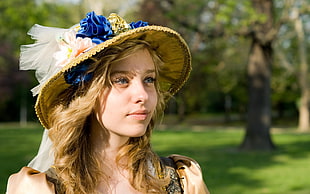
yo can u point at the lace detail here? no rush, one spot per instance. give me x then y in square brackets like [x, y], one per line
[174, 187]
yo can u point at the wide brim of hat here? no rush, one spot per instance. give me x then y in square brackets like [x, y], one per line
[170, 46]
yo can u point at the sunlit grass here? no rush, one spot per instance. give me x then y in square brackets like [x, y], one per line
[18, 145]
[226, 170]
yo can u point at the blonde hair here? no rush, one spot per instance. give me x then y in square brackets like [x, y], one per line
[78, 167]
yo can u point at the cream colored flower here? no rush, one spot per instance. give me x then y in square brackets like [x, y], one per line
[71, 47]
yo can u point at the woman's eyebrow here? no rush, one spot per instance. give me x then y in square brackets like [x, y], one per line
[121, 73]
[131, 72]
[150, 71]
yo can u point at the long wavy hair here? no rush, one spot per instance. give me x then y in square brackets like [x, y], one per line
[78, 167]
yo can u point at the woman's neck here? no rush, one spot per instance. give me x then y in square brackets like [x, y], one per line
[104, 142]
[108, 146]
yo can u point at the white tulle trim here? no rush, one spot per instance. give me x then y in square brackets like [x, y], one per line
[39, 56]
[45, 157]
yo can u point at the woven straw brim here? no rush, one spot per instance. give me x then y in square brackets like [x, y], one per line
[169, 44]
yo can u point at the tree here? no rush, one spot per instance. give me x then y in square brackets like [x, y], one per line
[213, 20]
[259, 73]
[291, 49]
[303, 123]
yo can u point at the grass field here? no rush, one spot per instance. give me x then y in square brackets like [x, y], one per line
[226, 170]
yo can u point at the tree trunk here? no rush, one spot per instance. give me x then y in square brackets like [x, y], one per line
[303, 124]
[257, 135]
[227, 108]
[259, 114]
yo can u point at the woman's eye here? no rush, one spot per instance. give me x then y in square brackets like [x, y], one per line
[120, 81]
[149, 80]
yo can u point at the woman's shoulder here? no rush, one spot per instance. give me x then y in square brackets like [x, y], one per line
[181, 162]
[189, 173]
[183, 159]
[29, 180]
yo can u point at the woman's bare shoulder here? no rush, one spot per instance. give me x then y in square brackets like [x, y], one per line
[29, 180]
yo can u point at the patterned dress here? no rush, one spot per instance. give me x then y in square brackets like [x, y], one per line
[174, 187]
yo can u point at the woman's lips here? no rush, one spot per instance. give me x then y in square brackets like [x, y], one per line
[138, 115]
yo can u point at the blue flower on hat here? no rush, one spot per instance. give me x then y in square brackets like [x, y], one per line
[78, 74]
[138, 24]
[96, 27]
[99, 29]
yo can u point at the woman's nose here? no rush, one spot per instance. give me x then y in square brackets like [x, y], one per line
[139, 92]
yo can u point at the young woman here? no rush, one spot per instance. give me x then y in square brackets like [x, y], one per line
[103, 87]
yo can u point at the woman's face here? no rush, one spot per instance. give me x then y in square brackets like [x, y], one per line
[127, 108]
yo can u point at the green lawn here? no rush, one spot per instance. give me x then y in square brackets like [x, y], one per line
[226, 170]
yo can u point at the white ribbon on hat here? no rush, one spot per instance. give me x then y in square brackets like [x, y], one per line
[39, 55]
[45, 156]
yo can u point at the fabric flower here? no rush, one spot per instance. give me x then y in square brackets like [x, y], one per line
[78, 74]
[96, 27]
[92, 30]
[118, 24]
[138, 24]
[71, 47]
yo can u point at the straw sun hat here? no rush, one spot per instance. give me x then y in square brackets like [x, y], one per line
[58, 54]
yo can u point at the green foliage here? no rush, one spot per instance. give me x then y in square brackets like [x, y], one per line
[286, 75]
[219, 57]
[284, 86]
[17, 17]
[217, 33]
[230, 16]
[237, 14]
[213, 29]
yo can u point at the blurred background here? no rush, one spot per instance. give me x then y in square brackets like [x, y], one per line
[247, 97]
